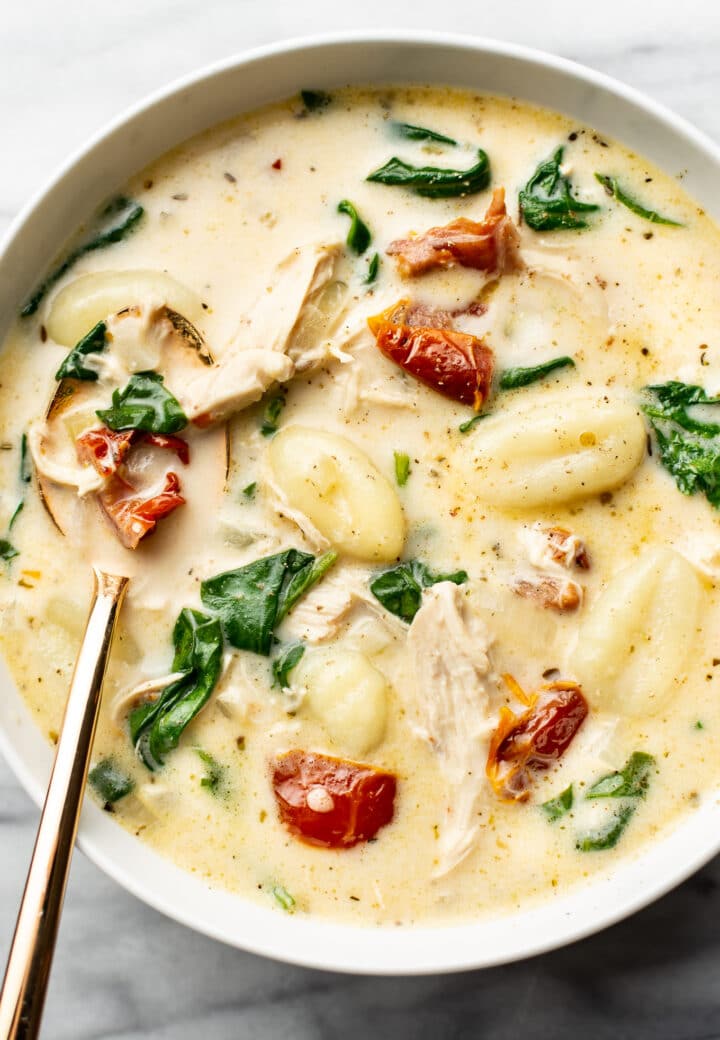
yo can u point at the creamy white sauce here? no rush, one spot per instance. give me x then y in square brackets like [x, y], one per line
[633, 303]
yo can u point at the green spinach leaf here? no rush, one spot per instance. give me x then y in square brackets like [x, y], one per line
[611, 186]
[400, 588]
[373, 268]
[272, 413]
[470, 424]
[214, 778]
[546, 201]
[119, 218]
[7, 550]
[250, 489]
[73, 366]
[156, 727]
[420, 133]
[512, 378]
[689, 445]
[433, 182]
[556, 808]
[359, 237]
[287, 659]
[251, 600]
[630, 782]
[608, 836]
[144, 404]
[25, 475]
[109, 782]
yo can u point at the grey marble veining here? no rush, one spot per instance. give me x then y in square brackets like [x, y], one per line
[122, 970]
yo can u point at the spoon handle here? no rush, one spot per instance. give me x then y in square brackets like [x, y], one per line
[26, 977]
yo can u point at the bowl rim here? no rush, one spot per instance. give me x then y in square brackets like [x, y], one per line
[319, 943]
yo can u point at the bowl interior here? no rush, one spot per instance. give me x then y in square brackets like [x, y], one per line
[130, 143]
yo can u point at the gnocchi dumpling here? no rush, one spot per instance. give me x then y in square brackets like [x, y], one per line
[634, 641]
[347, 695]
[92, 297]
[340, 491]
[556, 450]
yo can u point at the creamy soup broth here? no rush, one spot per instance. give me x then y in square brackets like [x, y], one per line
[232, 216]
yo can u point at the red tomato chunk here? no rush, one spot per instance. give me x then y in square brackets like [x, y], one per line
[522, 745]
[329, 801]
[455, 364]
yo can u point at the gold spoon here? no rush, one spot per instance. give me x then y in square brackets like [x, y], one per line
[23, 993]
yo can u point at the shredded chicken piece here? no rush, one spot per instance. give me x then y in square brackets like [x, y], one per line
[301, 307]
[238, 380]
[69, 473]
[552, 552]
[149, 689]
[490, 245]
[449, 646]
[277, 503]
[562, 594]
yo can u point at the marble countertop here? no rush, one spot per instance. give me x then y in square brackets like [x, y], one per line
[123, 971]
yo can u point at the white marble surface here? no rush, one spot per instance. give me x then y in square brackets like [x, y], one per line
[121, 970]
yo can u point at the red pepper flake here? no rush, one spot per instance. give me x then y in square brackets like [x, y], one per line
[277, 165]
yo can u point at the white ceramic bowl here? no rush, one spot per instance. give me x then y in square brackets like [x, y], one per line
[184, 109]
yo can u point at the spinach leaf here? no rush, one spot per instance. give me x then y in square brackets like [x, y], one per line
[611, 186]
[283, 898]
[359, 237]
[251, 600]
[144, 404]
[512, 378]
[250, 489]
[109, 782]
[556, 808]
[546, 201]
[630, 782]
[273, 410]
[7, 550]
[433, 182]
[689, 446]
[25, 474]
[25, 465]
[315, 100]
[420, 133]
[373, 268]
[400, 588]
[215, 776]
[470, 424]
[608, 836]
[119, 218]
[94, 342]
[402, 467]
[284, 663]
[156, 727]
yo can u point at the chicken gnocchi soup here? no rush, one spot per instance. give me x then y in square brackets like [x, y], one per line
[399, 409]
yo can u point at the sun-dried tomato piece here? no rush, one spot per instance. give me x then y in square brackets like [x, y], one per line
[535, 740]
[487, 245]
[455, 364]
[105, 449]
[329, 801]
[133, 516]
[169, 443]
